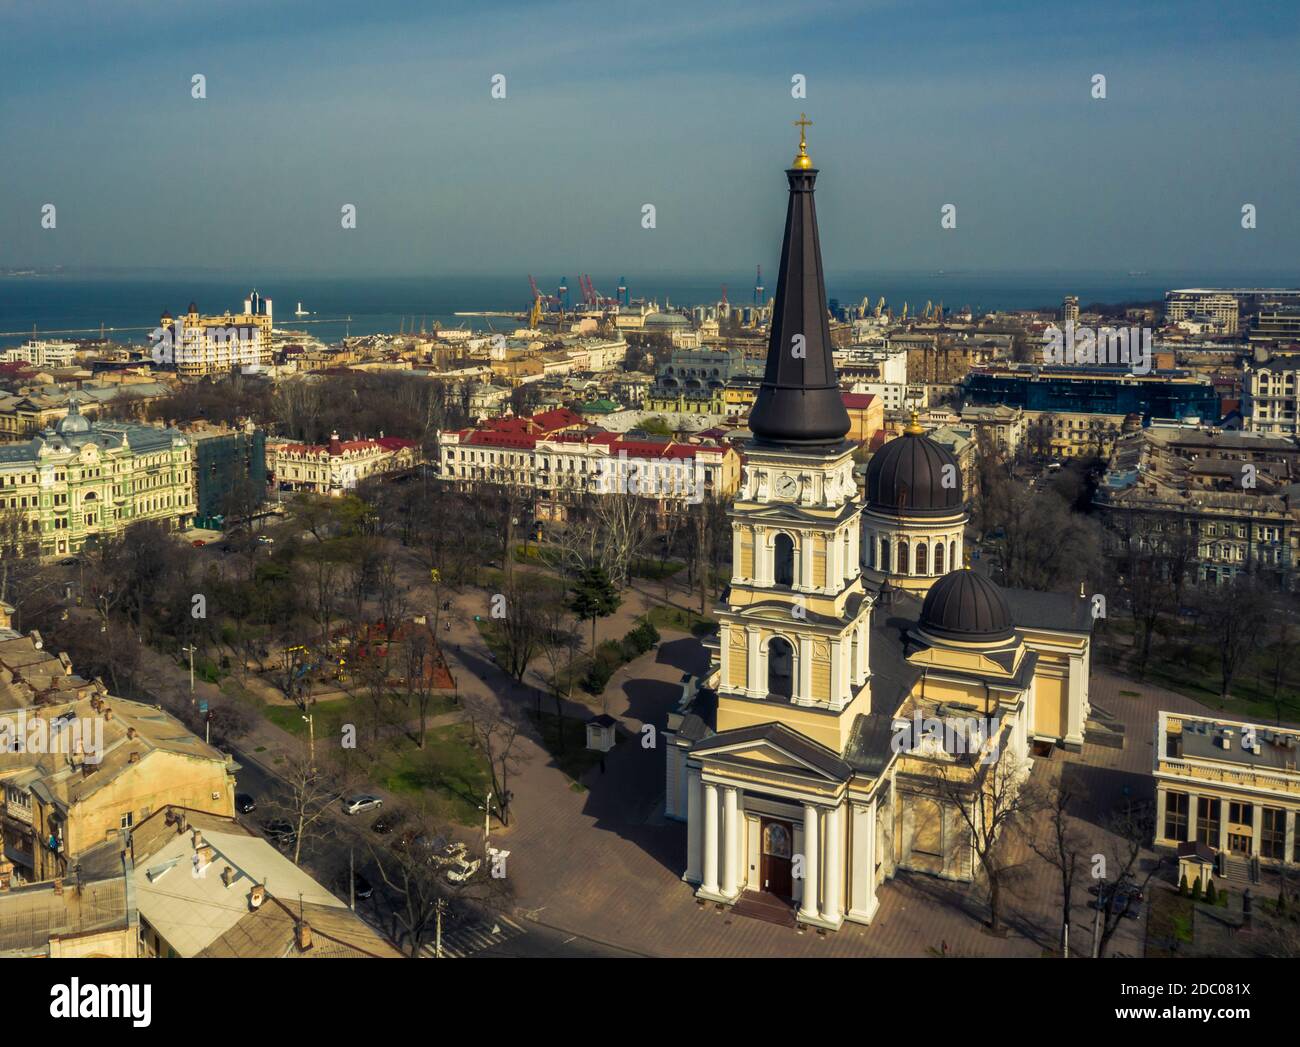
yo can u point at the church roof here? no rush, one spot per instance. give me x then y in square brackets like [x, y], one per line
[908, 475]
[799, 402]
[966, 606]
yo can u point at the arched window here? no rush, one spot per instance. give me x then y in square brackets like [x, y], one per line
[904, 557]
[871, 552]
[783, 553]
[938, 557]
[952, 555]
[884, 554]
[780, 669]
[921, 566]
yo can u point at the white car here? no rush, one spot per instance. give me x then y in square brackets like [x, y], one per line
[357, 804]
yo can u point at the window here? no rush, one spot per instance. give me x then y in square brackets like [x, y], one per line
[127, 820]
[783, 554]
[1207, 820]
[1176, 816]
[1272, 841]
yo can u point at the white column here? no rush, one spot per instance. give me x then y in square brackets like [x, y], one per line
[730, 841]
[1257, 828]
[803, 687]
[694, 833]
[1193, 801]
[1288, 854]
[805, 579]
[1223, 825]
[1161, 802]
[1074, 728]
[808, 907]
[834, 561]
[754, 685]
[855, 552]
[832, 910]
[837, 672]
[735, 553]
[710, 838]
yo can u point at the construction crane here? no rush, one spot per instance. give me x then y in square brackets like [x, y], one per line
[758, 286]
[535, 317]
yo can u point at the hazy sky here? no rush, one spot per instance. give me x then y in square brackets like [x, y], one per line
[313, 104]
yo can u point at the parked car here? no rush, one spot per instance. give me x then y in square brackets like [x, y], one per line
[70, 561]
[361, 802]
[362, 887]
[1128, 900]
[281, 833]
[244, 803]
[265, 539]
[198, 543]
[384, 824]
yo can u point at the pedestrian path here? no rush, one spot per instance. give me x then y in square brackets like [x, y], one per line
[462, 942]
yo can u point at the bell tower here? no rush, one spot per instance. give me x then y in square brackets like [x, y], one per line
[793, 643]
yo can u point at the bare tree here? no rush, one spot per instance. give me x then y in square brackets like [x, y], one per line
[1130, 830]
[1062, 845]
[989, 799]
[309, 794]
[496, 735]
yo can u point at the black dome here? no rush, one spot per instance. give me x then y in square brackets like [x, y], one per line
[963, 605]
[906, 475]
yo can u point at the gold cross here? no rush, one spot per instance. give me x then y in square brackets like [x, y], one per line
[803, 160]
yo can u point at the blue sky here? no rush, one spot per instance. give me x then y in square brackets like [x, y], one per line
[683, 105]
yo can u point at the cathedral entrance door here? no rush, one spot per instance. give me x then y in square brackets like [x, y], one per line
[778, 846]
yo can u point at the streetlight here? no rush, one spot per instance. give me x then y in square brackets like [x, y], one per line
[190, 649]
[486, 808]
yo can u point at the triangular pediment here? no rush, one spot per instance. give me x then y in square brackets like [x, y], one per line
[776, 746]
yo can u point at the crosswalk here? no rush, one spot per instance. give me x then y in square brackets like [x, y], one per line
[461, 942]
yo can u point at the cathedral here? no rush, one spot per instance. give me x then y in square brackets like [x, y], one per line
[865, 686]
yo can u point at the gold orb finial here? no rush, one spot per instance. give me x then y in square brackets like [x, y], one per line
[914, 427]
[802, 160]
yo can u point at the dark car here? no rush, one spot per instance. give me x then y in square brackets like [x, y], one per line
[385, 824]
[282, 833]
[361, 887]
[1128, 901]
[244, 803]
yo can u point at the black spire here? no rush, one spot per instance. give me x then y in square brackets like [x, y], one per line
[799, 401]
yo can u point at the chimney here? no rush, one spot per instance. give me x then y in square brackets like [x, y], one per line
[198, 839]
[130, 732]
[58, 885]
[227, 876]
[206, 854]
[108, 712]
[134, 758]
[256, 896]
[303, 935]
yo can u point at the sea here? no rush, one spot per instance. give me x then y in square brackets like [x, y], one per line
[126, 305]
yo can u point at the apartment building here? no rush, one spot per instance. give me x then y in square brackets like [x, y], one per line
[560, 463]
[198, 345]
[337, 467]
[81, 480]
[80, 767]
[1231, 785]
[1222, 501]
[1272, 394]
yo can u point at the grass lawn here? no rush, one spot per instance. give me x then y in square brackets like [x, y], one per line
[1169, 921]
[654, 570]
[679, 620]
[447, 777]
[330, 716]
[1192, 668]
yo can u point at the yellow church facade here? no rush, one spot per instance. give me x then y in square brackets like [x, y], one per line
[856, 706]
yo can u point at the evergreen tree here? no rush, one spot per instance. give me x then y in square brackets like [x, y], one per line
[594, 596]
